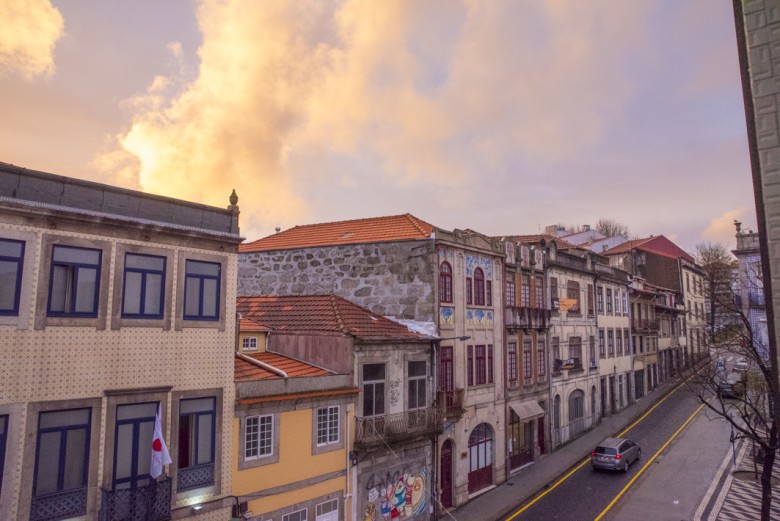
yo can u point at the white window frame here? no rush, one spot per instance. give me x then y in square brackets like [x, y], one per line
[332, 416]
[249, 343]
[302, 515]
[259, 447]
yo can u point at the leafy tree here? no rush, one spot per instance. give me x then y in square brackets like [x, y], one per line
[719, 266]
[611, 228]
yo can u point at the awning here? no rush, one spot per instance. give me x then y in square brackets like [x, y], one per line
[527, 410]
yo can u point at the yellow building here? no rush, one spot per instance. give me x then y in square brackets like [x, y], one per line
[114, 305]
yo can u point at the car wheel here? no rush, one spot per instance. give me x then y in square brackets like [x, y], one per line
[639, 455]
[625, 467]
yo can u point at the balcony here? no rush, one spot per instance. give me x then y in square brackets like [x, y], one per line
[644, 324]
[59, 505]
[391, 428]
[527, 318]
[148, 503]
[195, 477]
[451, 402]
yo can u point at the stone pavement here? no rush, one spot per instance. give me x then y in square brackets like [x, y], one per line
[732, 499]
[500, 501]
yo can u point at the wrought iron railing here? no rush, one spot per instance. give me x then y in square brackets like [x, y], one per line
[151, 502]
[59, 505]
[645, 324]
[392, 427]
[527, 318]
[451, 402]
[195, 477]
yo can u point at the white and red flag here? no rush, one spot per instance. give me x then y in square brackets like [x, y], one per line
[160, 454]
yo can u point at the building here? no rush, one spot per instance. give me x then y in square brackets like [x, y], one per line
[116, 306]
[644, 337]
[750, 288]
[670, 313]
[390, 446]
[443, 283]
[292, 430]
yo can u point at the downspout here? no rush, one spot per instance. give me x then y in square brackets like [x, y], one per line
[550, 364]
[434, 437]
[258, 363]
[348, 450]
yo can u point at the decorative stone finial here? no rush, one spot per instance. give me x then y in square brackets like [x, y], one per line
[233, 198]
[738, 226]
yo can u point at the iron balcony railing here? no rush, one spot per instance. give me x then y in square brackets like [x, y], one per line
[151, 502]
[451, 402]
[195, 477]
[378, 430]
[645, 324]
[59, 505]
[527, 318]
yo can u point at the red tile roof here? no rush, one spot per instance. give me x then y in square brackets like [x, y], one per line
[247, 324]
[322, 314]
[315, 394]
[659, 245]
[245, 370]
[377, 229]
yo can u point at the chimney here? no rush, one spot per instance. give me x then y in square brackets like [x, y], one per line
[277, 229]
[586, 227]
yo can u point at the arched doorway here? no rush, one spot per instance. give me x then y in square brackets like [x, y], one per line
[446, 474]
[593, 411]
[480, 457]
[557, 421]
[576, 412]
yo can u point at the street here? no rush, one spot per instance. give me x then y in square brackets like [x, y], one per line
[667, 483]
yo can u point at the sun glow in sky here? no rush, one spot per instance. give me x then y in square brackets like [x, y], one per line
[501, 116]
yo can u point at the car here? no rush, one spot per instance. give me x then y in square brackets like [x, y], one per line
[721, 365]
[741, 366]
[615, 454]
[732, 386]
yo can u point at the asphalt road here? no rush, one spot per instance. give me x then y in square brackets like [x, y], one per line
[586, 494]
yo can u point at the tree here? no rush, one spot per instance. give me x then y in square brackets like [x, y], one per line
[719, 266]
[751, 405]
[611, 228]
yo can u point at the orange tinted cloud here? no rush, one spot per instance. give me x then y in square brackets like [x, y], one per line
[721, 229]
[31, 29]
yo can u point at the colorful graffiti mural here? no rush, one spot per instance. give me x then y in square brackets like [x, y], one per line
[403, 498]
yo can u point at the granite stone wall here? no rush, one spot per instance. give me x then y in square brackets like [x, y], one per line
[392, 278]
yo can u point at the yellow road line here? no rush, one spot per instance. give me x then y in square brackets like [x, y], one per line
[586, 460]
[658, 452]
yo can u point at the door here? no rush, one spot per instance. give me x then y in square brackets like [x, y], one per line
[132, 444]
[540, 430]
[446, 382]
[446, 474]
[612, 397]
[603, 397]
[480, 457]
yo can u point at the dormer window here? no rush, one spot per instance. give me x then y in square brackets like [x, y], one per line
[249, 343]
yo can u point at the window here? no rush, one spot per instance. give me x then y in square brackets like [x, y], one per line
[619, 339]
[602, 352]
[3, 438]
[479, 287]
[687, 282]
[525, 291]
[609, 300]
[298, 515]
[592, 350]
[134, 428]
[201, 290]
[445, 282]
[249, 343]
[373, 390]
[490, 364]
[590, 299]
[539, 292]
[527, 362]
[511, 293]
[259, 436]
[611, 342]
[576, 405]
[74, 281]
[573, 293]
[617, 301]
[541, 359]
[554, 288]
[61, 463]
[469, 290]
[470, 367]
[575, 350]
[197, 417]
[626, 340]
[556, 348]
[481, 368]
[11, 263]
[144, 286]
[488, 293]
[328, 425]
[327, 507]
[600, 299]
[417, 374]
[625, 303]
[511, 357]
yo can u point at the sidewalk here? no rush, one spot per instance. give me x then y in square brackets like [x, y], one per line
[523, 485]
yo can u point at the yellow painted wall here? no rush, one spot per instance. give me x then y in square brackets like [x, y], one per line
[261, 341]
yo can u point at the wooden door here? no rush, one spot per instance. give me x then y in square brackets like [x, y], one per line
[446, 474]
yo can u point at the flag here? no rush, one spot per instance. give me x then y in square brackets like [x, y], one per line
[160, 454]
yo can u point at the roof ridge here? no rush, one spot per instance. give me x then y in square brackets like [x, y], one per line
[337, 313]
[416, 222]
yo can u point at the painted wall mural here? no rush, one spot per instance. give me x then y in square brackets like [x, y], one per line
[397, 497]
[446, 315]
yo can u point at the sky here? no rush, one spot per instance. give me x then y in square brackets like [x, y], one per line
[502, 117]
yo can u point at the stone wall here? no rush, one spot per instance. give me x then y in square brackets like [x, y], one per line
[394, 278]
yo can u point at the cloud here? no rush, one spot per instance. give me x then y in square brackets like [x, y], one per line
[721, 228]
[429, 97]
[31, 29]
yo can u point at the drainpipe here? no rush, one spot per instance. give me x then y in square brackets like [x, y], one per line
[434, 441]
[348, 447]
[550, 405]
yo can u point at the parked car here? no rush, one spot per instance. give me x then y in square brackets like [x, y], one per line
[721, 365]
[732, 386]
[741, 366]
[615, 454]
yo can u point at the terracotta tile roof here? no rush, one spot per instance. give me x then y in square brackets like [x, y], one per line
[322, 314]
[315, 394]
[245, 371]
[375, 229]
[659, 245]
[533, 239]
[247, 324]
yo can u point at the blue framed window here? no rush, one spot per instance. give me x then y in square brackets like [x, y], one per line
[61, 464]
[74, 281]
[11, 263]
[133, 435]
[201, 290]
[197, 424]
[3, 439]
[144, 286]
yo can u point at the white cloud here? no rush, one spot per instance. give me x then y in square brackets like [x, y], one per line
[31, 29]
[721, 228]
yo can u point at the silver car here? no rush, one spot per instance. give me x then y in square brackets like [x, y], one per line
[615, 454]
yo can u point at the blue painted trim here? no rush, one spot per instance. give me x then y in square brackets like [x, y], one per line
[14, 311]
[144, 273]
[77, 267]
[63, 444]
[201, 280]
[134, 477]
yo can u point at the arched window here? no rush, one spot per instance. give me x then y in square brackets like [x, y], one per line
[557, 412]
[445, 282]
[576, 405]
[593, 401]
[480, 457]
[479, 287]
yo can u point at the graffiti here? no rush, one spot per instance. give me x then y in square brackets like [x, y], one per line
[400, 496]
[395, 392]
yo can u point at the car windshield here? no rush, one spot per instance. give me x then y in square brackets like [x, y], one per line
[609, 451]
